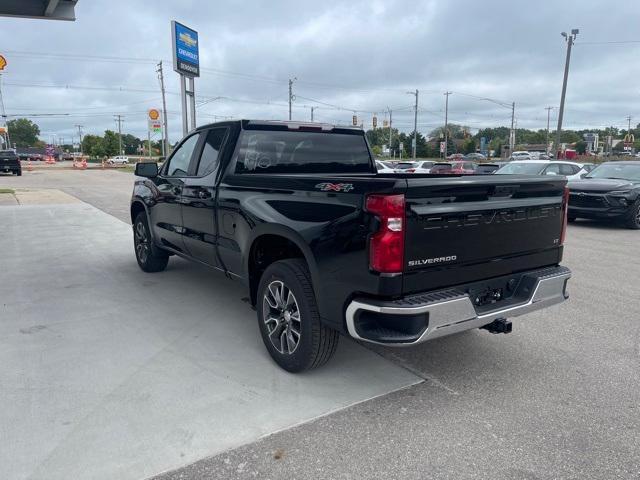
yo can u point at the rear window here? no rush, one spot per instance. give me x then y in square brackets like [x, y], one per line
[441, 167]
[527, 168]
[286, 151]
[405, 165]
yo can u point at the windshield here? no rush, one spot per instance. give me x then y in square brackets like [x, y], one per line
[521, 169]
[616, 170]
[286, 151]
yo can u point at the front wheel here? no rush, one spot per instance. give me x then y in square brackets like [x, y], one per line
[633, 218]
[150, 258]
[288, 318]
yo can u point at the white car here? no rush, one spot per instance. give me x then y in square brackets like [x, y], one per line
[405, 167]
[424, 166]
[571, 170]
[382, 168]
[521, 155]
[118, 160]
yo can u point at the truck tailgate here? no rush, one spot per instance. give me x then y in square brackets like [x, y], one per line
[480, 227]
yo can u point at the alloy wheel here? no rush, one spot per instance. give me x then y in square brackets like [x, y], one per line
[142, 242]
[281, 317]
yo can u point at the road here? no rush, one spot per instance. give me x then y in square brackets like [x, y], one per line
[557, 398]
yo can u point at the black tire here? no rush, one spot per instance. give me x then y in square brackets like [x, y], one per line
[150, 258]
[316, 343]
[633, 218]
[571, 218]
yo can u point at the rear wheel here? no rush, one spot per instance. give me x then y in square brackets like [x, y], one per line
[633, 218]
[288, 318]
[150, 258]
[19, 173]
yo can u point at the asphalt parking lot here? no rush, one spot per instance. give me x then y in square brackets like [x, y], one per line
[111, 373]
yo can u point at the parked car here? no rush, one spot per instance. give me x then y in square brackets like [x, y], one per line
[486, 168]
[405, 167]
[454, 167]
[475, 157]
[455, 156]
[520, 155]
[424, 166]
[570, 170]
[299, 215]
[9, 162]
[382, 168]
[118, 160]
[609, 191]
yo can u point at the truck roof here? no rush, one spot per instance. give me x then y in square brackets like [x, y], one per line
[282, 124]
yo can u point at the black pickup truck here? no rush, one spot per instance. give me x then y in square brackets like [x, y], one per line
[9, 162]
[326, 245]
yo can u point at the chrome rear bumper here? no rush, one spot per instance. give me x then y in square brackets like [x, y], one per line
[451, 311]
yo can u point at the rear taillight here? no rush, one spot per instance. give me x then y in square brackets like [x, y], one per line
[565, 212]
[410, 170]
[386, 246]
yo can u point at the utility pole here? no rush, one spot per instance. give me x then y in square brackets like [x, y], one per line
[312, 109]
[291, 96]
[570, 38]
[629, 128]
[165, 130]
[390, 123]
[415, 123]
[512, 132]
[80, 136]
[548, 109]
[119, 121]
[446, 122]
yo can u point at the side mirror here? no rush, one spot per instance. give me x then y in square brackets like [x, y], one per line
[146, 169]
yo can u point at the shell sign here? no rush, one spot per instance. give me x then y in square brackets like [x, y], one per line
[154, 114]
[3, 62]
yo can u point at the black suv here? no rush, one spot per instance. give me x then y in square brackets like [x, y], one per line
[609, 191]
[9, 162]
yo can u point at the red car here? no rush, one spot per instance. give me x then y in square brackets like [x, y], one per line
[454, 167]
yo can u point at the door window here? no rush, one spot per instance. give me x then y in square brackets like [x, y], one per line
[568, 169]
[179, 162]
[553, 168]
[210, 157]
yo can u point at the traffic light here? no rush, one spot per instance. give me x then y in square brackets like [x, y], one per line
[375, 121]
[355, 120]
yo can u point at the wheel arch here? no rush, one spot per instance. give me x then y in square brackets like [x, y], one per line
[270, 243]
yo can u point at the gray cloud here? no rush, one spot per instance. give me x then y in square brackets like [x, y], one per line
[361, 55]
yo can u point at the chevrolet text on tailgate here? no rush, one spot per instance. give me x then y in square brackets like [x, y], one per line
[325, 245]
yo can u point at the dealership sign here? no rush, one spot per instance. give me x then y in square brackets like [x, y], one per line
[186, 59]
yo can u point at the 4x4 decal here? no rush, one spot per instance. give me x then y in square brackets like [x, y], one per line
[335, 187]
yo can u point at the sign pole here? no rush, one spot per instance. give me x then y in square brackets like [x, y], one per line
[183, 101]
[192, 94]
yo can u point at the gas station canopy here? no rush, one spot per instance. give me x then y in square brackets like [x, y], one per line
[40, 9]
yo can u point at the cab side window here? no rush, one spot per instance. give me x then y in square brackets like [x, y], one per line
[210, 158]
[179, 162]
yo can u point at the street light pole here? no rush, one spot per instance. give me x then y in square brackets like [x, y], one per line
[446, 122]
[569, 38]
[415, 123]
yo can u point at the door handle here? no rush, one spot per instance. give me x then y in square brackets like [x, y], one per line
[176, 190]
[203, 194]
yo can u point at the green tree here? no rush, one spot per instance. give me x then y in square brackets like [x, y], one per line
[469, 146]
[92, 145]
[111, 143]
[130, 144]
[581, 147]
[23, 132]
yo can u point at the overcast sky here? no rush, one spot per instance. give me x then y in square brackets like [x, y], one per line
[361, 56]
